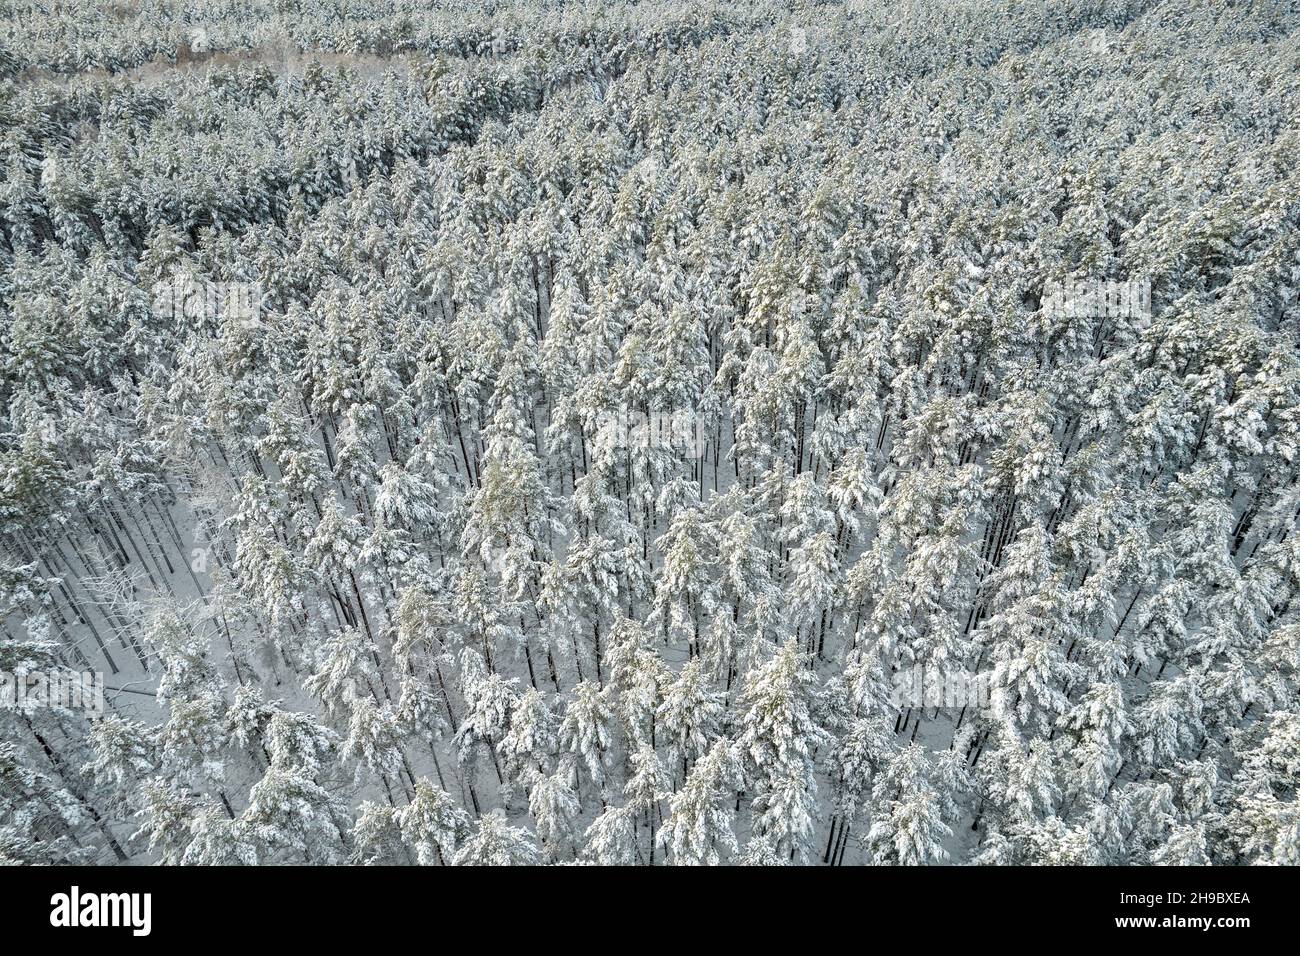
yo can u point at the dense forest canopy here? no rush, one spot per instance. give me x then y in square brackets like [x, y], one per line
[650, 433]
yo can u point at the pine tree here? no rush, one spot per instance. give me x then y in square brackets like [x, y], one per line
[778, 736]
[496, 843]
[700, 828]
[432, 824]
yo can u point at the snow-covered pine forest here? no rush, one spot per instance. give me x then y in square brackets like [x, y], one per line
[651, 433]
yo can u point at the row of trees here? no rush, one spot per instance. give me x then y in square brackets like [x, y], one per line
[627, 416]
